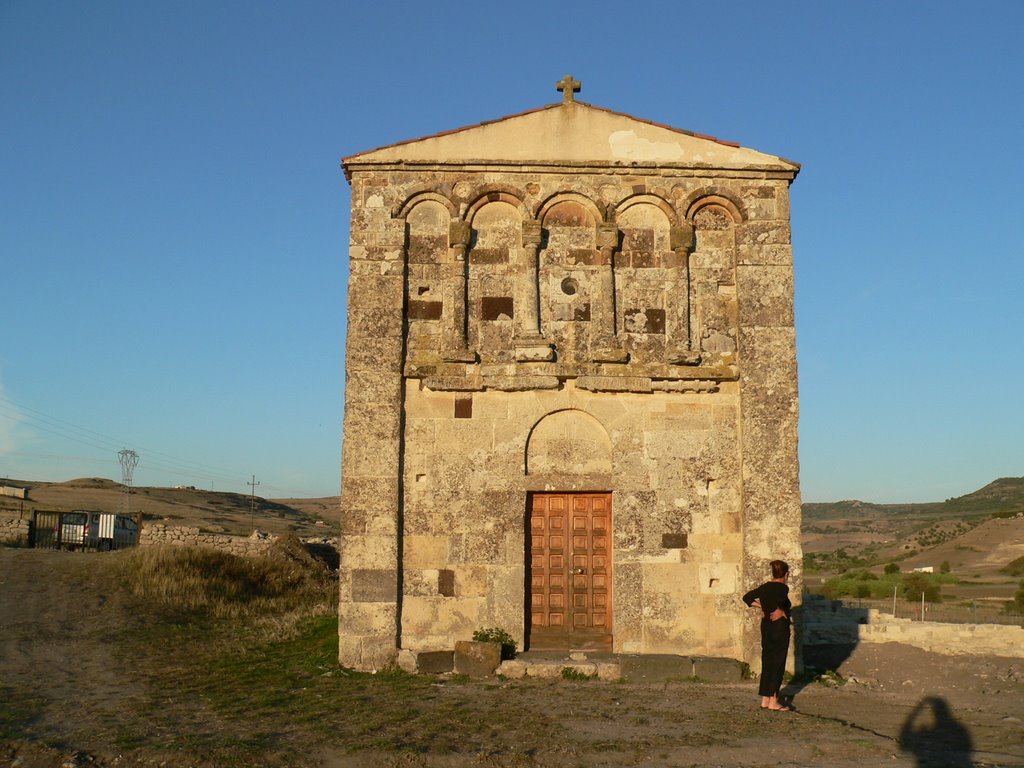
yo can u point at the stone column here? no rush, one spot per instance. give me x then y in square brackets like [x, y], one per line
[528, 308]
[456, 342]
[679, 349]
[530, 343]
[607, 347]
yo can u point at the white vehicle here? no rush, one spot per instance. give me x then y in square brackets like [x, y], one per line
[105, 531]
[72, 529]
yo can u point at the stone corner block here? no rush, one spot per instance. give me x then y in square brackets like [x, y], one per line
[609, 672]
[374, 586]
[407, 661]
[435, 662]
[512, 669]
[545, 671]
[477, 659]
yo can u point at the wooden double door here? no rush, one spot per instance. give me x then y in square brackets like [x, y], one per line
[569, 556]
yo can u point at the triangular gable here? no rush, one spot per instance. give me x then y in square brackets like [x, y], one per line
[572, 133]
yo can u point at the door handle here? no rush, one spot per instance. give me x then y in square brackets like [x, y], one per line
[579, 570]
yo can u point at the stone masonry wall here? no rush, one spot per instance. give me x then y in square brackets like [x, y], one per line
[520, 330]
[829, 624]
[184, 536]
[660, 452]
[678, 463]
[13, 529]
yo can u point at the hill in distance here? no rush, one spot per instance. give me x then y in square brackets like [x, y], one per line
[978, 534]
[210, 511]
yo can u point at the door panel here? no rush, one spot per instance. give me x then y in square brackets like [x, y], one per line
[570, 571]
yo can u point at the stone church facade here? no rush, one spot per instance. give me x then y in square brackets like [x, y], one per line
[571, 388]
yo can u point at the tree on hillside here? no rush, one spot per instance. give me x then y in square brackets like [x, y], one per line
[916, 584]
[1017, 604]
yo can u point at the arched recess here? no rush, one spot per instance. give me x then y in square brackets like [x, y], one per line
[495, 250]
[402, 211]
[645, 226]
[428, 215]
[595, 211]
[568, 442]
[716, 200]
[645, 199]
[716, 218]
[496, 194]
[433, 281]
[645, 266]
[574, 277]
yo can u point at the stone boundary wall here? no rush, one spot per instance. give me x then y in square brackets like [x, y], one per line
[247, 546]
[829, 623]
[185, 536]
[949, 639]
[14, 529]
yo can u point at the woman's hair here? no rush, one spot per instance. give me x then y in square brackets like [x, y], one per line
[779, 568]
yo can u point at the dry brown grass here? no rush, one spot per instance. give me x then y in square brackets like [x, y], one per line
[193, 582]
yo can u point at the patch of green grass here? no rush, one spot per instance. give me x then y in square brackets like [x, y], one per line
[570, 673]
[271, 689]
[248, 675]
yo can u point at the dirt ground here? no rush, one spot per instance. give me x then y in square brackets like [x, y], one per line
[65, 688]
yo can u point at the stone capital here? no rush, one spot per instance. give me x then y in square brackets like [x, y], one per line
[607, 236]
[531, 232]
[459, 233]
[681, 237]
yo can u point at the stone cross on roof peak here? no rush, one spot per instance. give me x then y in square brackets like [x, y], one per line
[568, 87]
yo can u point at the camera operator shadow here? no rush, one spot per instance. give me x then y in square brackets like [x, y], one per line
[935, 737]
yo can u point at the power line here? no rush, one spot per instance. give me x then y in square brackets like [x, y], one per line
[69, 431]
[100, 441]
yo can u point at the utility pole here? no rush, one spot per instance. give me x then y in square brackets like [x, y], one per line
[252, 501]
[129, 460]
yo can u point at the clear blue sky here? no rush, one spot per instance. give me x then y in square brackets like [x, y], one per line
[174, 223]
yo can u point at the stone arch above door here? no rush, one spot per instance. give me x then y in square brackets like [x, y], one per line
[569, 442]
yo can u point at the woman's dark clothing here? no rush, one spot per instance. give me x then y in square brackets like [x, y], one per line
[774, 634]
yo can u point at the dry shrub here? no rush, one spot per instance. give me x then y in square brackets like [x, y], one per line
[196, 582]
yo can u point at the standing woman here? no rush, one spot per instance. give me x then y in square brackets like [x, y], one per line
[772, 599]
